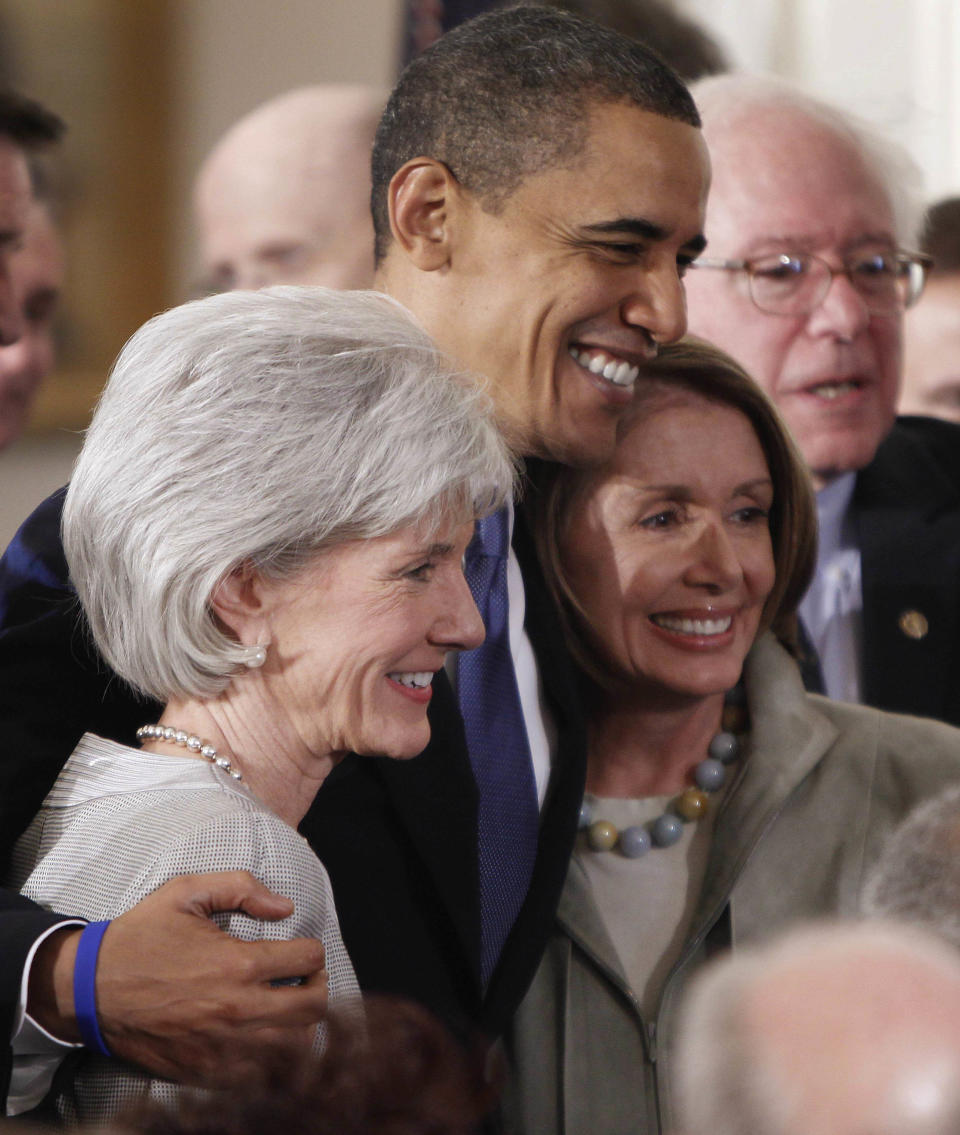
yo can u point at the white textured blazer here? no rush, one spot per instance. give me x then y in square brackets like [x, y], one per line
[120, 822]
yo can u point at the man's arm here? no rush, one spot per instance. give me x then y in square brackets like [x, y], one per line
[177, 995]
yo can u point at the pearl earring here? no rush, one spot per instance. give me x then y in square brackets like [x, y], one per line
[255, 656]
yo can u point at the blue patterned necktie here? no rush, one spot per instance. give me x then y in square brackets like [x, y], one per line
[498, 746]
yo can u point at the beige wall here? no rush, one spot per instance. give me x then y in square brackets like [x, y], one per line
[29, 472]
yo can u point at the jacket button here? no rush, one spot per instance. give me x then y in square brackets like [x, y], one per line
[913, 624]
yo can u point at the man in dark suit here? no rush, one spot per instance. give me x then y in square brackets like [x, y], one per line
[812, 220]
[539, 187]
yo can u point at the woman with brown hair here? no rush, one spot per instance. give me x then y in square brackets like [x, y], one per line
[722, 800]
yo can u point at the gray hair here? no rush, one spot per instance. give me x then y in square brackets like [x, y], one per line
[727, 1083]
[260, 428]
[917, 877]
[725, 99]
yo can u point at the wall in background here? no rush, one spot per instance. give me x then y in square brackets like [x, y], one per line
[894, 62]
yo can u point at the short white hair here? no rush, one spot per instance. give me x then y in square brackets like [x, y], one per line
[917, 877]
[261, 428]
[727, 1083]
[727, 99]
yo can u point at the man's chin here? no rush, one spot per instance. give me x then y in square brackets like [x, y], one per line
[827, 467]
[587, 450]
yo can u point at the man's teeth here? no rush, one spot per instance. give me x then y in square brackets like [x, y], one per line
[831, 390]
[416, 679]
[617, 371]
[693, 626]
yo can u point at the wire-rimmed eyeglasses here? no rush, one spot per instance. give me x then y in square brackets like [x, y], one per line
[796, 283]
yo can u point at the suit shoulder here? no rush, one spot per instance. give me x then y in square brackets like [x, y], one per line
[937, 439]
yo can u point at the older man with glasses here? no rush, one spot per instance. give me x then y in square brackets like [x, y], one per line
[812, 221]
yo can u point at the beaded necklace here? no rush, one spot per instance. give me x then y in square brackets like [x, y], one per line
[689, 806]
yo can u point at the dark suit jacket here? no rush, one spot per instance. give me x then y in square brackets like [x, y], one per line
[22, 923]
[906, 507]
[398, 838]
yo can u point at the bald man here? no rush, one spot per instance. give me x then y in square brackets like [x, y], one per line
[283, 198]
[834, 1030]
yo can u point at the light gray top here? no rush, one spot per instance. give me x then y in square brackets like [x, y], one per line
[120, 822]
[648, 931]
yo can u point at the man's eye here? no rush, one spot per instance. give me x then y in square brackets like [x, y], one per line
[625, 251]
[876, 265]
[781, 268]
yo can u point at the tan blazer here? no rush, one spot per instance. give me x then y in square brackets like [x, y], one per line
[821, 785]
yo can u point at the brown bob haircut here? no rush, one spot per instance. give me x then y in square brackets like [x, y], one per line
[706, 371]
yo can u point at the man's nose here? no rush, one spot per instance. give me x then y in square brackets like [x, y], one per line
[658, 304]
[843, 312]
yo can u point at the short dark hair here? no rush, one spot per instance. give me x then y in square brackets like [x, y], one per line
[26, 122]
[507, 95]
[702, 369]
[941, 235]
[689, 49]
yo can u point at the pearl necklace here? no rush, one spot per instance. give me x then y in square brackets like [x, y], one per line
[189, 741]
[693, 803]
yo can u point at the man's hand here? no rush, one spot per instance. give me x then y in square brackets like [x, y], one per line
[177, 995]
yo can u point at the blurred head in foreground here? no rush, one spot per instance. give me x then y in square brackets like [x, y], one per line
[931, 360]
[845, 1029]
[402, 1075]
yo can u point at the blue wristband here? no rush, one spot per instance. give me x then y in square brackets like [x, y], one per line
[84, 986]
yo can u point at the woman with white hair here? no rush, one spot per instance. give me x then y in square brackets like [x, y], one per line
[265, 529]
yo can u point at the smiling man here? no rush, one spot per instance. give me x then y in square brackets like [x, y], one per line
[812, 222]
[538, 191]
[539, 185]
[539, 222]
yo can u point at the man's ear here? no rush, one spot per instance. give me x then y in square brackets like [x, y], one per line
[421, 196]
[238, 601]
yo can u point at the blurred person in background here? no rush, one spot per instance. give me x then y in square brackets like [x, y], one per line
[30, 261]
[38, 270]
[284, 196]
[931, 361]
[812, 221]
[835, 1029]
[917, 878]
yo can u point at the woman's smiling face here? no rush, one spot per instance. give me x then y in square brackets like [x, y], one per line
[668, 548]
[357, 637]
